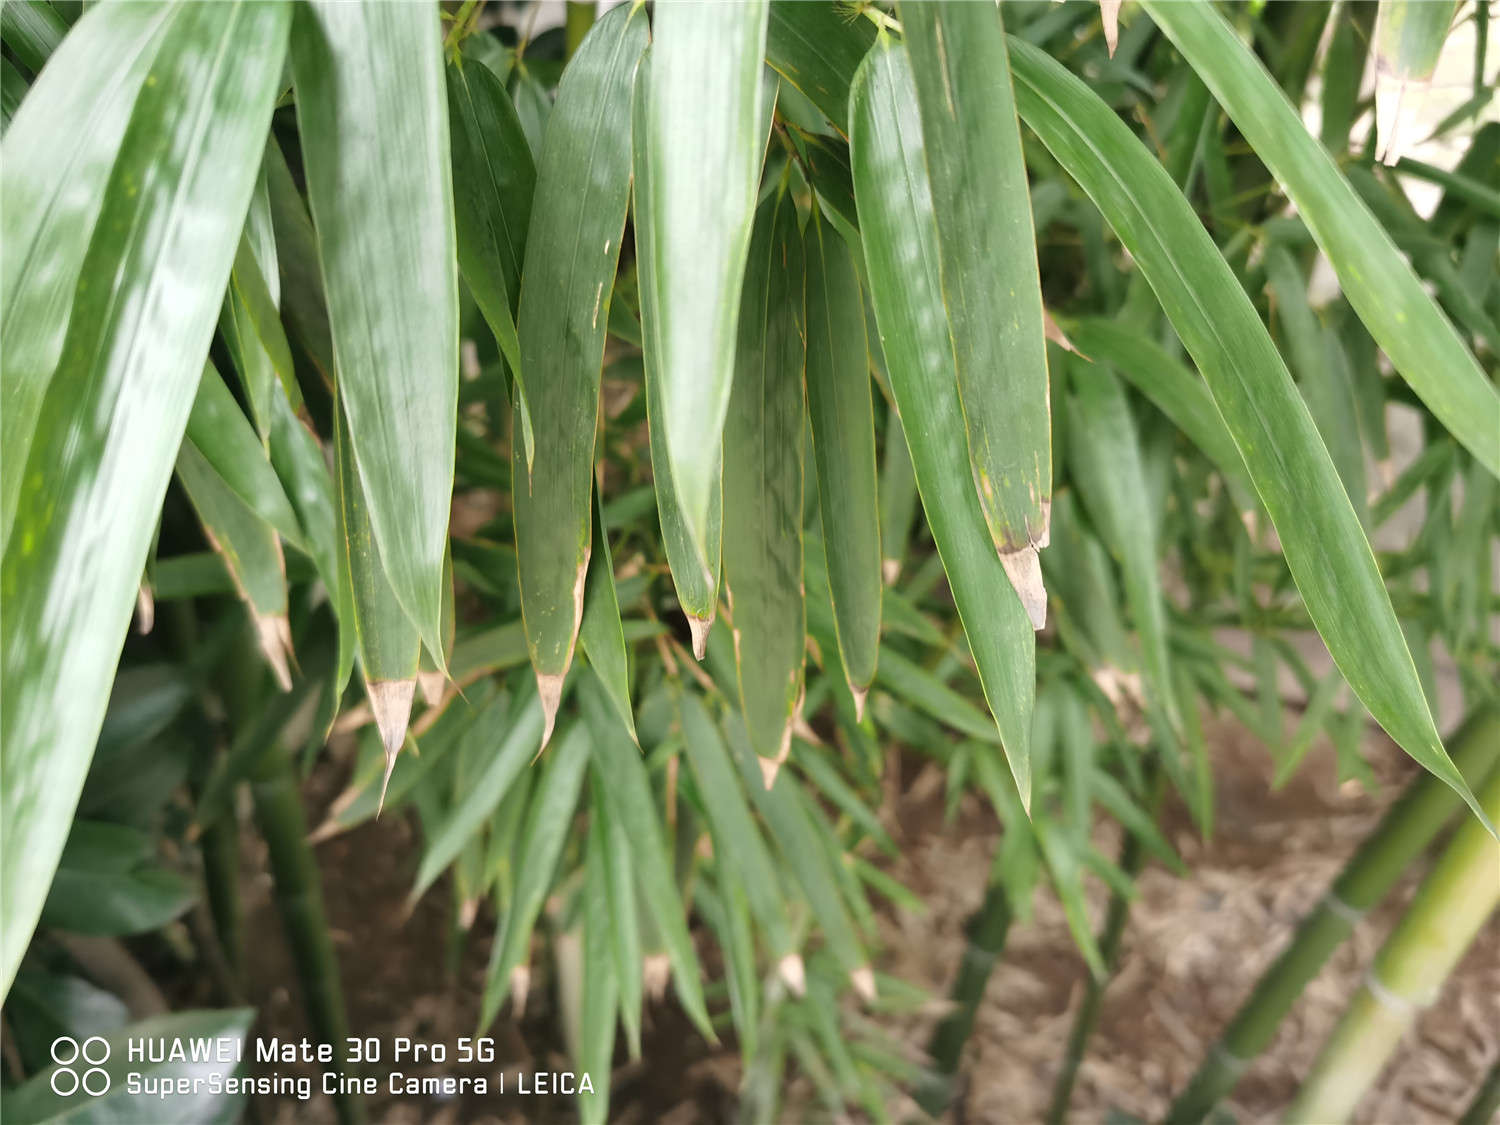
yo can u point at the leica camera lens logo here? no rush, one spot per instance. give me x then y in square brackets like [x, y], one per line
[79, 1066]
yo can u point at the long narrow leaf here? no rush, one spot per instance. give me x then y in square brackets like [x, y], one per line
[843, 429]
[374, 128]
[1325, 548]
[1420, 342]
[113, 414]
[895, 204]
[572, 246]
[987, 260]
[704, 84]
[763, 484]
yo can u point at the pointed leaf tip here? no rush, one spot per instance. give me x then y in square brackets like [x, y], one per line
[549, 687]
[863, 980]
[145, 610]
[700, 627]
[860, 695]
[274, 633]
[390, 702]
[769, 768]
[520, 985]
[430, 685]
[1024, 569]
[792, 973]
[1109, 12]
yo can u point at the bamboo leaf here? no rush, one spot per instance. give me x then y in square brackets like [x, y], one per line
[251, 551]
[843, 430]
[817, 50]
[1173, 389]
[704, 83]
[624, 922]
[601, 989]
[299, 275]
[803, 853]
[1326, 550]
[548, 822]
[895, 205]
[763, 484]
[695, 578]
[221, 434]
[494, 178]
[374, 129]
[518, 730]
[388, 643]
[1105, 455]
[1409, 38]
[987, 261]
[58, 154]
[572, 246]
[601, 633]
[33, 30]
[1420, 342]
[111, 418]
[617, 762]
[737, 841]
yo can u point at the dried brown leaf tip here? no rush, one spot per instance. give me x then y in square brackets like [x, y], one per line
[861, 694]
[700, 627]
[274, 634]
[1109, 12]
[390, 701]
[1024, 569]
[145, 610]
[549, 687]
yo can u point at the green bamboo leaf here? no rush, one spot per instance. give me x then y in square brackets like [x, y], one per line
[617, 762]
[109, 883]
[1105, 456]
[763, 484]
[299, 275]
[1379, 284]
[221, 434]
[704, 83]
[1409, 36]
[33, 30]
[900, 242]
[624, 921]
[517, 728]
[898, 497]
[1172, 388]
[572, 247]
[494, 178]
[251, 551]
[737, 841]
[113, 413]
[1322, 372]
[803, 853]
[252, 326]
[12, 92]
[547, 826]
[987, 261]
[843, 430]
[817, 49]
[601, 988]
[388, 643]
[728, 915]
[369, 81]
[695, 579]
[927, 693]
[601, 634]
[58, 154]
[1326, 550]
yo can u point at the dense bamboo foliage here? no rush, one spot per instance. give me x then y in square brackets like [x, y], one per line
[686, 419]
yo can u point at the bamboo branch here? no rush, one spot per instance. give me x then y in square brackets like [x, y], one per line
[1405, 831]
[1452, 904]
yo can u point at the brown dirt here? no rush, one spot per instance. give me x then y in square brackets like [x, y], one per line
[1192, 950]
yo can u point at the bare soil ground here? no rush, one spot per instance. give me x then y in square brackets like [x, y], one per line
[1192, 950]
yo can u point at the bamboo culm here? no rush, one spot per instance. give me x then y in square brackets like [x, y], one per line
[987, 930]
[1404, 833]
[299, 899]
[1454, 901]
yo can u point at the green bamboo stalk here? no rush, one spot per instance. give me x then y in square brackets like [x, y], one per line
[1132, 855]
[1454, 901]
[299, 899]
[1403, 834]
[987, 930]
[1486, 1104]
